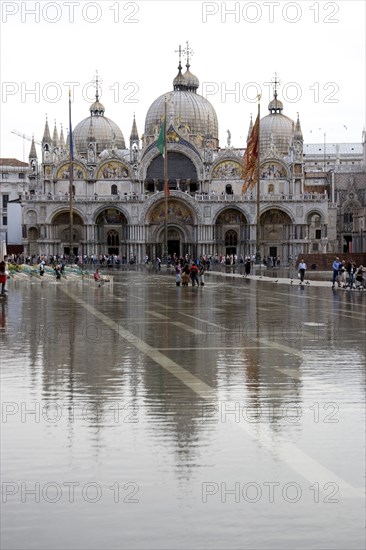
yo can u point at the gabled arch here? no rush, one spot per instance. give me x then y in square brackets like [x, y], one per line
[178, 212]
[159, 197]
[316, 212]
[229, 211]
[113, 169]
[281, 208]
[106, 207]
[63, 171]
[226, 168]
[60, 210]
[267, 163]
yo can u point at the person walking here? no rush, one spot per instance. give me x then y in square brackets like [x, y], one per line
[41, 268]
[2, 278]
[342, 274]
[351, 269]
[178, 274]
[302, 269]
[201, 274]
[185, 275]
[247, 266]
[194, 274]
[336, 265]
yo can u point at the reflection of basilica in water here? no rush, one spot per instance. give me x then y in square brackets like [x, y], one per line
[311, 198]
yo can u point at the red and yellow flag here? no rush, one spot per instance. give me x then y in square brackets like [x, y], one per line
[250, 160]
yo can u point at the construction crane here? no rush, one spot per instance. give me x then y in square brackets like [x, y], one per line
[25, 137]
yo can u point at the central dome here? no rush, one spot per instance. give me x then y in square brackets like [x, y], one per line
[189, 112]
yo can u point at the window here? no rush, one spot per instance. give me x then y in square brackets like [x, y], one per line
[348, 217]
[5, 220]
[113, 238]
[318, 234]
[5, 201]
[21, 175]
[5, 176]
[231, 238]
[114, 189]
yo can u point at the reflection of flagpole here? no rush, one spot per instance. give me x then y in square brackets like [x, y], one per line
[258, 227]
[162, 147]
[166, 185]
[71, 176]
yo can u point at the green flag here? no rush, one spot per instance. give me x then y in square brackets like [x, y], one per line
[160, 144]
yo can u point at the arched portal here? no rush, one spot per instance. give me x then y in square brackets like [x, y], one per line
[174, 239]
[171, 233]
[33, 235]
[112, 232]
[70, 243]
[276, 231]
[232, 233]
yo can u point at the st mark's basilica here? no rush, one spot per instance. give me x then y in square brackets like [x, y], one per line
[307, 195]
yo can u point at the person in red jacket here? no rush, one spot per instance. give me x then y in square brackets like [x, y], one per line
[99, 279]
[194, 274]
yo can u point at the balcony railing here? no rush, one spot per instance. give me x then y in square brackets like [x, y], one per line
[85, 198]
[199, 197]
[312, 197]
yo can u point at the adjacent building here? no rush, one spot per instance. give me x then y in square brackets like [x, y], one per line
[14, 184]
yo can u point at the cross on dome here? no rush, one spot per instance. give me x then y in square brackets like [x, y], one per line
[188, 52]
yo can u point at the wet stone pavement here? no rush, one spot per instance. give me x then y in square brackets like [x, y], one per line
[143, 415]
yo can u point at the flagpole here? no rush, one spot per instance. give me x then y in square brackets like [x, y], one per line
[258, 227]
[166, 186]
[71, 177]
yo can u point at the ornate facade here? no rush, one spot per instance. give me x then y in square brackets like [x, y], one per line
[119, 201]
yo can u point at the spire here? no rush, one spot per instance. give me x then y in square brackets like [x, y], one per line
[134, 141]
[134, 133]
[32, 152]
[46, 134]
[55, 136]
[298, 131]
[91, 135]
[62, 139]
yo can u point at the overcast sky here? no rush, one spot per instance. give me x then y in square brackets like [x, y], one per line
[317, 50]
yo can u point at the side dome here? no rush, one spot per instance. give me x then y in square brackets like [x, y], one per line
[98, 128]
[276, 129]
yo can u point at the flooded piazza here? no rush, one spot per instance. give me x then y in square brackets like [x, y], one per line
[143, 415]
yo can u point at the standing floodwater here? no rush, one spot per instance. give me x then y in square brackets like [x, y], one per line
[145, 415]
